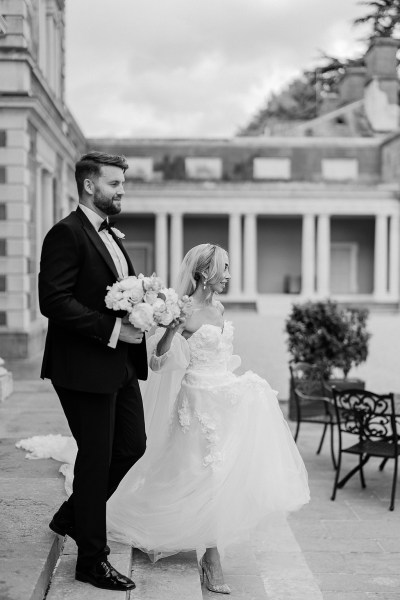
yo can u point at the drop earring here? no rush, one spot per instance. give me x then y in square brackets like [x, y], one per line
[205, 283]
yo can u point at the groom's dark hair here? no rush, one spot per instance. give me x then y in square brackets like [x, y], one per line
[89, 165]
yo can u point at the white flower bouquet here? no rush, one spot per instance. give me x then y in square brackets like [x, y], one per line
[147, 301]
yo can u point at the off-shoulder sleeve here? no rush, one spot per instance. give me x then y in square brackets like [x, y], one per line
[177, 357]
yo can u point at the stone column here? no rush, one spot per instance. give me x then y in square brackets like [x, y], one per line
[47, 204]
[235, 254]
[394, 257]
[308, 256]
[6, 382]
[42, 36]
[161, 246]
[176, 247]
[323, 255]
[380, 256]
[250, 255]
[39, 211]
[50, 66]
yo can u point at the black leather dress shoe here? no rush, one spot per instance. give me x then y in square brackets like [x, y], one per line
[62, 529]
[104, 576]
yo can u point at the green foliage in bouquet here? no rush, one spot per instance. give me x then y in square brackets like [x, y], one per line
[327, 335]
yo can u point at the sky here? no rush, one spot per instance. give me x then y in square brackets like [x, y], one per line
[193, 68]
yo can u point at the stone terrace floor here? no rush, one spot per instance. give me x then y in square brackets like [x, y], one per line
[343, 550]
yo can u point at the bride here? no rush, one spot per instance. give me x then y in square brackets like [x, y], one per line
[220, 456]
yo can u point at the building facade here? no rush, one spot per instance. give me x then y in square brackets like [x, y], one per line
[311, 212]
[39, 144]
[333, 232]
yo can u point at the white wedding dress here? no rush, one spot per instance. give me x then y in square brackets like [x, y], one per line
[220, 456]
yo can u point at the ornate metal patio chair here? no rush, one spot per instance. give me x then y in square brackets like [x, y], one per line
[371, 418]
[313, 402]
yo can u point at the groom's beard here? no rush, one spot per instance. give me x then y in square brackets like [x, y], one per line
[109, 206]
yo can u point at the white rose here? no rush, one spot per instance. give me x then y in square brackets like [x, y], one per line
[150, 297]
[124, 304]
[165, 318]
[129, 283]
[113, 297]
[172, 302]
[186, 305]
[162, 315]
[152, 283]
[142, 316]
[159, 308]
[159, 305]
[134, 287]
[170, 295]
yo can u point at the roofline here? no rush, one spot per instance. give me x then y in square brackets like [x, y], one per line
[390, 137]
[254, 142]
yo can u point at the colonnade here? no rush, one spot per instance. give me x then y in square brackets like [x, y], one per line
[315, 255]
[316, 243]
[242, 250]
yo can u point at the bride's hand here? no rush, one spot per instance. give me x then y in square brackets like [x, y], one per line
[176, 324]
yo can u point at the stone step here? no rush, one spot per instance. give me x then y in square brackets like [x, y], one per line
[172, 578]
[270, 566]
[242, 574]
[64, 586]
[31, 491]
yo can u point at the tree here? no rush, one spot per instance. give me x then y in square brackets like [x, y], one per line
[332, 69]
[301, 99]
[296, 102]
[328, 336]
[383, 18]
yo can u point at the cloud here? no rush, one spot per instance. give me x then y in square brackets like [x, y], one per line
[191, 68]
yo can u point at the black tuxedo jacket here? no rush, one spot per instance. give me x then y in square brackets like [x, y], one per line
[75, 270]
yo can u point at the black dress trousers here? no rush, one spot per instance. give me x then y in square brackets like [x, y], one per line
[110, 434]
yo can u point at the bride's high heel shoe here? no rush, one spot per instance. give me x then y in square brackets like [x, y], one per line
[205, 577]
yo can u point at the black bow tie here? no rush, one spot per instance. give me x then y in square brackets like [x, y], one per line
[106, 224]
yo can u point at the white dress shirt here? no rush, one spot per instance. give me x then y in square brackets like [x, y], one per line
[116, 254]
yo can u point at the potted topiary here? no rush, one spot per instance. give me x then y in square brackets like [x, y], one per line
[328, 336]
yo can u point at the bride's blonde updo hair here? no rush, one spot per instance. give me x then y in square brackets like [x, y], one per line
[207, 260]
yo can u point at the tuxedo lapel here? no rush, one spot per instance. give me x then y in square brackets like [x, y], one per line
[131, 270]
[96, 241]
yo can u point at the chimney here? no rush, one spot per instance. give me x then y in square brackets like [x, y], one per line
[329, 102]
[351, 85]
[382, 85]
[381, 64]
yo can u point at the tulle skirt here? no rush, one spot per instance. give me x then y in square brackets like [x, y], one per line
[222, 460]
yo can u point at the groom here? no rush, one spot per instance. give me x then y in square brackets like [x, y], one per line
[94, 358]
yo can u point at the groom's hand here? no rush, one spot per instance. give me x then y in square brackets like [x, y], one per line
[130, 334]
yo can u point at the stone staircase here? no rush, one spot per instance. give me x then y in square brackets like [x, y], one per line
[271, 567]
[173, 578]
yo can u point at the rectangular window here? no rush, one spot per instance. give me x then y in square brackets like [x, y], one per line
[344, 267]
[3, 212]
[3, 247]
[140, 167]
[3, 138]
[339, 169]
[271, 168]
[2, 175]
[3, 286]
[3, 318]
[203, 168]
[30, 266]
[3, 26]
